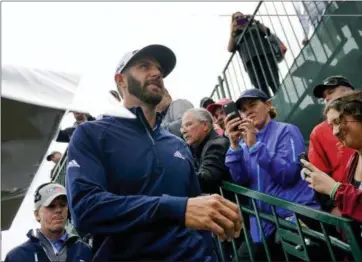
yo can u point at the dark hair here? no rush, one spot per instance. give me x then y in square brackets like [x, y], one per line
[349, 104]
[206, 101]
[234, 14]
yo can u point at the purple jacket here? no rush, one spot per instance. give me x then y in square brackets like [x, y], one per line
[271, 166]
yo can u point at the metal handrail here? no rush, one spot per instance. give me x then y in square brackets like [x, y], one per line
[292, 231]
[59, 167]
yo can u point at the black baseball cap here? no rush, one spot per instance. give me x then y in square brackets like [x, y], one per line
[251, 94]
[206, 101]
[331, 82]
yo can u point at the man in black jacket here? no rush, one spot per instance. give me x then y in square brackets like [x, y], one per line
[208, 147]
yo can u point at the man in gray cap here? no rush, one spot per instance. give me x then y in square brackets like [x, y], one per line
[51, 242]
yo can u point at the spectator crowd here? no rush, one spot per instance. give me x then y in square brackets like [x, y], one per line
[149, 188]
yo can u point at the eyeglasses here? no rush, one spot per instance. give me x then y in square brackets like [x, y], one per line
[340, 123]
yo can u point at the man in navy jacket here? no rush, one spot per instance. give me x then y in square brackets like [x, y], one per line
[132, 185]
[51, 242]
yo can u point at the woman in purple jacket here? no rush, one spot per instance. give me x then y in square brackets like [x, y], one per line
[264, 156]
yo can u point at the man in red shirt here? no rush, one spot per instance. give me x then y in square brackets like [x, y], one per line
[325, 150]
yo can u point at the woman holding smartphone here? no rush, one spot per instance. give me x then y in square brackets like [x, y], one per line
[255, 52]
[264, 156]
[344, 115]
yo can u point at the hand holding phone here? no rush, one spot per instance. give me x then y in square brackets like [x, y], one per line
[232, 114]
[303, 156]
[230, 110]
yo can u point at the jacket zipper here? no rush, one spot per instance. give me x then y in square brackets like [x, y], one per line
[147, 127]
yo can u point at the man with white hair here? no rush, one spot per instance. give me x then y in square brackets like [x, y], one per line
[208, 147]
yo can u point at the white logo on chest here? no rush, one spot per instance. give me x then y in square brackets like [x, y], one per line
[178, 155]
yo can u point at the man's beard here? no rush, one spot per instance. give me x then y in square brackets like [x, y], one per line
[135, 88]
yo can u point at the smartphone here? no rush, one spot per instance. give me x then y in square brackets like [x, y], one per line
[303, 156]
[242, 21]
[230, 109]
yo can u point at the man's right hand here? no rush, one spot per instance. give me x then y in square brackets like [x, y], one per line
[234, 28]
[214, 213]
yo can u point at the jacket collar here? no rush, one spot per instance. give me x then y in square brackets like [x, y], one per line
[266, 128]
[37, 235]
[138, 112]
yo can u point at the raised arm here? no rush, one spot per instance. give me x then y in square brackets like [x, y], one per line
[237, 162]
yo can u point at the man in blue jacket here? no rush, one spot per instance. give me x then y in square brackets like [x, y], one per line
[51, 242]
[132, 185]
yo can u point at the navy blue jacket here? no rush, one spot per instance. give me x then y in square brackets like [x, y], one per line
[32, 251]
[128, 186]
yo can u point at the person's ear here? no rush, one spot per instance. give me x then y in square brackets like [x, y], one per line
[121, 80]
[37, 216]
[206, 126]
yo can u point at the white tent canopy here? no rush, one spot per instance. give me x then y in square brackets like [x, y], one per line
[39, 87]
[33, 104]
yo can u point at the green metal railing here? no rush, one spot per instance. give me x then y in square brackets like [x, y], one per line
[59, 171]
[295, 238]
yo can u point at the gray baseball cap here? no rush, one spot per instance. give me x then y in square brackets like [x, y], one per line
[162, 54]
[46, 194]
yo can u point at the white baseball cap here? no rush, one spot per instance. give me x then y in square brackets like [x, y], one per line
[162, 54]
[45, 195]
